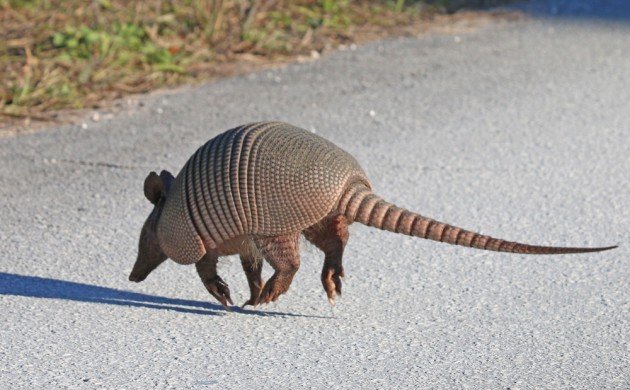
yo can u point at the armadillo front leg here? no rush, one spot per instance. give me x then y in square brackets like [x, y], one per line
[282, 253]
[253, 269]
[330, 236]
[207, 270]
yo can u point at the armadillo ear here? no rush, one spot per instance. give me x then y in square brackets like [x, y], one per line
[167, 179]
[153, 187]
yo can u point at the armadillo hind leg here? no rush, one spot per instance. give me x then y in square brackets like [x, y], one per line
[330, 236]
[283, 254]
[253, 269]
[207, 270]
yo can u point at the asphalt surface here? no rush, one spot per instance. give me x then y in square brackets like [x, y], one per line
[520, 130]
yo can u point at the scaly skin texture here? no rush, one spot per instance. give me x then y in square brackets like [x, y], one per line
[264, 179]
[254, 189]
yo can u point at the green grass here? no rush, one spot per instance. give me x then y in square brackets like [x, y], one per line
[57, 54]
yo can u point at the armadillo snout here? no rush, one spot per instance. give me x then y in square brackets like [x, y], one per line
[137, 278]
[147, 261]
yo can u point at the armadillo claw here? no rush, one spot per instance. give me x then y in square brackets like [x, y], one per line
[255, 295]
[220, 290]
[250, 302]
[272, 290]
[331, 279]
[265, 297]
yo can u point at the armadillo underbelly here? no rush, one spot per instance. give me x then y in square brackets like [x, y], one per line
[266, 179]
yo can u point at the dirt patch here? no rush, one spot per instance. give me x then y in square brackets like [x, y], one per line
[238, 63]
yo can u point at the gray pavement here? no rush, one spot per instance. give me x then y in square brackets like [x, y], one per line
[520, 130]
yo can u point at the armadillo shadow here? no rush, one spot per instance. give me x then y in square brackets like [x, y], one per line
[38, 287]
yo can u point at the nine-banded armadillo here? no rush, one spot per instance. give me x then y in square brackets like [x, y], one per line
[254, 189]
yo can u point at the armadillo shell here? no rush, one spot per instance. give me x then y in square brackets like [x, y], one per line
[267, 179]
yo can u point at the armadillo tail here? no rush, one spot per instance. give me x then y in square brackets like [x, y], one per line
[359, 204]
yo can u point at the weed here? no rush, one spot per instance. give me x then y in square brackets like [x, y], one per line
[74, 54]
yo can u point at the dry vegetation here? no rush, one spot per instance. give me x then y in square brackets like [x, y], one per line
[60, 54]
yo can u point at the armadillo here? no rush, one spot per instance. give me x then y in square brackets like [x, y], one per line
[253, 190]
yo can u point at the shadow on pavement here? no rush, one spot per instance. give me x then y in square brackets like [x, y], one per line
[37, 287]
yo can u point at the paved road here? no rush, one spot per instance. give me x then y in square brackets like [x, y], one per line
[520, 130]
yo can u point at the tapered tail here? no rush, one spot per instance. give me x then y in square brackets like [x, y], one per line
[359, 204]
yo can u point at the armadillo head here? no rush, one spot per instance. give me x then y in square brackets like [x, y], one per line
[150, 255]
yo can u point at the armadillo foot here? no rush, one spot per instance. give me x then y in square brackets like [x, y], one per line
[220, 290]
[250, 302]
[253, 268]
[331, 279]
[273, 288]
[283, 254]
